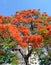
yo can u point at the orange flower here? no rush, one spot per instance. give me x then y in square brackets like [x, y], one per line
[24, 44]
[38, 20]
[25, 21]
[24, 30]
[49, 30]
[45, 14]
[40, 28]
[22, 33]
[30, 38]
[25, 38]
[49, 18]
[1, 16]
[36, 40]
[46, 23]
[15, 20]
[0, 20]
[34, 11]
[37, 24]
[39, 39]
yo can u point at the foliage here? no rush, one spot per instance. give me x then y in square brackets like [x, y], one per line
[25, 28]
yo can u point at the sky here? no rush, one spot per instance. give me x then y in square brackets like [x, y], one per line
[9, 7]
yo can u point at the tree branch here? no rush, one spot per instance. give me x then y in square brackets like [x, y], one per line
[29, 54]
[18, 50]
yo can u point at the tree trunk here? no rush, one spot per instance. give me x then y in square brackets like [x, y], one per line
[26, 57]
[26, 61]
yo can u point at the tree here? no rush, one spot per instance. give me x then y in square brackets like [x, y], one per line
[25, 28]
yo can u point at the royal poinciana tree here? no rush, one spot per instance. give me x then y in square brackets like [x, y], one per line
[25, 28]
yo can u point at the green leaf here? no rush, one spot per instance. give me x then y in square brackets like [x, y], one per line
[7, 39]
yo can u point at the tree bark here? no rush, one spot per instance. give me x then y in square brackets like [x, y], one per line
[26, 57]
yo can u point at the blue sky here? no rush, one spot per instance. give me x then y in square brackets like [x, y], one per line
[9, 7]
